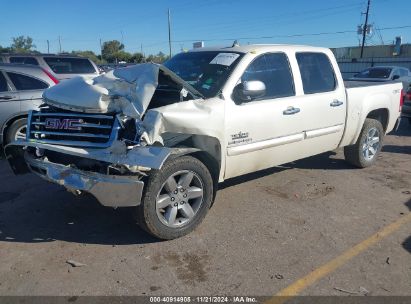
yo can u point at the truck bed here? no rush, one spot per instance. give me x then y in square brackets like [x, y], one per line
[363, 97]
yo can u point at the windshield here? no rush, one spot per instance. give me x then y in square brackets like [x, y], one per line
[380, 73]
[206, 71]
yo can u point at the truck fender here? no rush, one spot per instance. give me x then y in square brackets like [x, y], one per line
[372, 103]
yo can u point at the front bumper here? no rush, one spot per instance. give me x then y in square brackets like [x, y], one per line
[110, 190]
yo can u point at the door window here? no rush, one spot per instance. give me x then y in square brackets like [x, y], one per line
[67, 65]
[3, 83]
[23, 82]
[274, 70]
[317, 72]
[24, 60]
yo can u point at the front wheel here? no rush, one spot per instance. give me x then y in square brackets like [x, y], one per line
[365, 151]
[176, 198]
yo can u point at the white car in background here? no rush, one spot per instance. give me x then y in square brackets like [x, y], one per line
[385, 73]
[61, 66]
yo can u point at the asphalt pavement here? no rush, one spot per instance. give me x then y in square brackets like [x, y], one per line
[265, 231]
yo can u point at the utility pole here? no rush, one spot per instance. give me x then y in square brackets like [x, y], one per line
[60, 44]
[101, 51]
[48, 46]
[169, 32]
[365, 27]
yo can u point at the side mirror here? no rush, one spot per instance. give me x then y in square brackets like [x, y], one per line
[249, 90]
[395, 77]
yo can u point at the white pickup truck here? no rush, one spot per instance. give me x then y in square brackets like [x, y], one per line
[161, 137]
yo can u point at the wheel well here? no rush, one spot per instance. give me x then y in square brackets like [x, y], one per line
[213, 166]
[210, 162]
[381, 115]
[209, 152]
[7, 125]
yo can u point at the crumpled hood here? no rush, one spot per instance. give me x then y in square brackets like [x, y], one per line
[127, 90]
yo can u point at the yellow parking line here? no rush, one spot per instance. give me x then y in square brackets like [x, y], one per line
[299, 285]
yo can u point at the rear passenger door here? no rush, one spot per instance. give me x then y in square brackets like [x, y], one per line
[9, 100]
[30, 89]
[324, 102]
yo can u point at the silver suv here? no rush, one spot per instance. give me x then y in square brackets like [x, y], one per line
[61, 66]
[21, 90]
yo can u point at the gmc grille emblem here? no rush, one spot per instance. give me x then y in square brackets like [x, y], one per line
[63, 124]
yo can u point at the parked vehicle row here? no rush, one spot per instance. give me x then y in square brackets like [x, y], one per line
[61, 66]
[21, 90]
[161, 137]
[23, 79]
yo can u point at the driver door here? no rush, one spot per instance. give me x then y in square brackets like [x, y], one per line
[266, 131]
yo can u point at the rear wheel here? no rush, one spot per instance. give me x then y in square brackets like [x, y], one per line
[365, 151]
[176, 198]
[17, 130]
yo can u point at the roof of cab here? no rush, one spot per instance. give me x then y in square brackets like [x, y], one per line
[261, 47]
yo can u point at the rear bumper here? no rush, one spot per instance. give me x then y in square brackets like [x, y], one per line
[109, 190]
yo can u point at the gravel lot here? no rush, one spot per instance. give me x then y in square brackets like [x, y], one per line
[265, 231]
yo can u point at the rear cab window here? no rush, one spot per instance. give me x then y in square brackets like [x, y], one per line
[67, 65]
[24, 60]
[24, 83]
[317, 73]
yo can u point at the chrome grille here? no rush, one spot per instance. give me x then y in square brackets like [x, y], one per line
[72, 129]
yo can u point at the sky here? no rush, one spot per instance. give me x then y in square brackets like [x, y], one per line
[81, 24]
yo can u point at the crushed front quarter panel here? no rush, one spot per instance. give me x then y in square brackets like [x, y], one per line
[202, 120]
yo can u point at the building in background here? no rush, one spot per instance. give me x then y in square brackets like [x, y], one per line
[376, 55]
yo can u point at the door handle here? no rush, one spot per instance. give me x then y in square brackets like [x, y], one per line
[291, 111]
[336, 103]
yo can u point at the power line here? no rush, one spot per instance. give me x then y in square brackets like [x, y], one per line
[284, 36]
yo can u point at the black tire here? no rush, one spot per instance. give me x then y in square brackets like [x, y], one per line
[354, 153]
[13, 128]
[147, 215]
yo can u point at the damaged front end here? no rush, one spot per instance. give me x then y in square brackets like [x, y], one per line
[89, 135]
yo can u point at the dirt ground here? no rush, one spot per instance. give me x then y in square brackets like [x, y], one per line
[265, 231]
